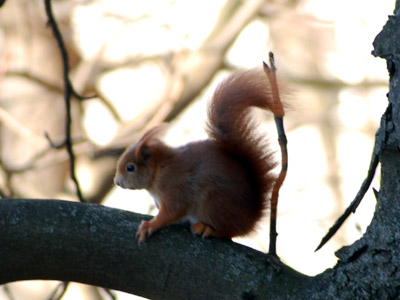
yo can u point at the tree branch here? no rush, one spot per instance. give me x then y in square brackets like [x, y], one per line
[380, 140]
[270, 71]
[68, 92]
[93, 244]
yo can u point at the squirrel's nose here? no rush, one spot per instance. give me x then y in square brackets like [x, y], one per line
[118, 180]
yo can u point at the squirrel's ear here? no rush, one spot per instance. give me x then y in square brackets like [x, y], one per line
[144, 152]
[148, 140]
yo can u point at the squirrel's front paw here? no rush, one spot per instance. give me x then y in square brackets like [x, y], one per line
[144, 231]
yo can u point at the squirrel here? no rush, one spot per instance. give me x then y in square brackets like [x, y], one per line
[221, 185]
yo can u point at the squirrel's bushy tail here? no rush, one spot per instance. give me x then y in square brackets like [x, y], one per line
[230, 125]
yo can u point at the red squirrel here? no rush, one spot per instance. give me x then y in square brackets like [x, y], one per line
[220, 185]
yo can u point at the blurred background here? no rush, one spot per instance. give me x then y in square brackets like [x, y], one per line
[154, 61]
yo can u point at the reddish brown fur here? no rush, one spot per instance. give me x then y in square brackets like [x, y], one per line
[222, 184]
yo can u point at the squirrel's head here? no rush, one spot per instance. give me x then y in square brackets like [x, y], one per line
[137, 165]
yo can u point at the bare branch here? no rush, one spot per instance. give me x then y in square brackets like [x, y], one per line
[36, 79]
[380, 139]
[270, 71]
[56, 295]
[7, 291]
[68, 91]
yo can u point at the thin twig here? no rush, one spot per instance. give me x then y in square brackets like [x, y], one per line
[80, 97]
[55, 88]
[36, 79]
[278, 116]
[110, 107]
[17, 127]
[354, 204]
[48, 157]
[64, 285]
[68, 91]
[7, 291]
[110, 293]
[53, 144]
[380, 138]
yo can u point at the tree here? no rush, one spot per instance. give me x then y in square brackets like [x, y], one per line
[93, 244]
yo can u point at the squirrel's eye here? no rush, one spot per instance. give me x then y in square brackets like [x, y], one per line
[130, 168]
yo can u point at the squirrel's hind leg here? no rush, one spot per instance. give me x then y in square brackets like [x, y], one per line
[200, 228]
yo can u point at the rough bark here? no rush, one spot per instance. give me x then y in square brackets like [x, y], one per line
[88, 243]
[369, 269]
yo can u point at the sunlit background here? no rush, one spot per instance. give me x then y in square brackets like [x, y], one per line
[147, 59]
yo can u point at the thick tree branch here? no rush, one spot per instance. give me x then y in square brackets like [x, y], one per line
[69, 241]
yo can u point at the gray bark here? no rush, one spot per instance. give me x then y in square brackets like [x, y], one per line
[88, 243]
